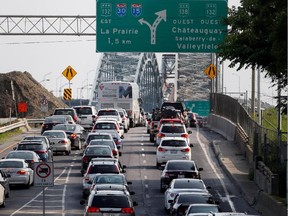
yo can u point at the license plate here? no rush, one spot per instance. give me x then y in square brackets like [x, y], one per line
[173, 151]
[109, 214]
[181, 176]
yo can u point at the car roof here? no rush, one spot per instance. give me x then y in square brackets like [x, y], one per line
[13, 159]
[109, 192]
[173, 138]
[24, 151]
[54, 131]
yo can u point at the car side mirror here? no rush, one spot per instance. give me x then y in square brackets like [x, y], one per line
[132, 193]
[124, 166]
[14, 148]
[189, 132]
[8, 175]
[82, 202]
[191, 145]
[129, 183]
[135, 203]
[200, 169]
[120, 153]
[122, 137]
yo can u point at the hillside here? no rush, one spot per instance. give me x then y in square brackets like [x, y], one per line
[26, 89]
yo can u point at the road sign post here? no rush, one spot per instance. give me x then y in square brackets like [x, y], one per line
[43, 177]
[160, 26]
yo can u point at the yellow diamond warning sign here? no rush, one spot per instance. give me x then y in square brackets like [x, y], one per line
[69, 73]
[210, 71]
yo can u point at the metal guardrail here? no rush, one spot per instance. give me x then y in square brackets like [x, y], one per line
[21, 123]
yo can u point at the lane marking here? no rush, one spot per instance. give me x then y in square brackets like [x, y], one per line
[10, 146]
[215, 172]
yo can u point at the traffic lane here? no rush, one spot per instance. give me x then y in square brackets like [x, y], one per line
[139, 156]
[67, 182]
[213, 175]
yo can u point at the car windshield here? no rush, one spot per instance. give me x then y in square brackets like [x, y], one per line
[110, 201]
[173, 129]
[174, 143]
[114, 179]
[54, 134]
[30, 147]
[107, 112]
[69, 127]
[189, 184]
[180, 166]
[97, 150]
[192, 198]
[102, 142]
[11, 164]
[203, 209]
[103, 168]
[83, 110]
[105, 125]
[54, 120]
[20, 155]
[34, 138]
[64, 112]
[97, 136]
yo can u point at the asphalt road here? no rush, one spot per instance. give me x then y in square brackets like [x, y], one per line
[139, 157]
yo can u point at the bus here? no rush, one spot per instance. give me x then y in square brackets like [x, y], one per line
[121, 94]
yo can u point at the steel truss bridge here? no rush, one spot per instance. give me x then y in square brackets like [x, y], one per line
[181, 75]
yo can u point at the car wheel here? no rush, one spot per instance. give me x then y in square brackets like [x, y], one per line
[158, 165]
[67, 152]
[28, 184]
[151, 138]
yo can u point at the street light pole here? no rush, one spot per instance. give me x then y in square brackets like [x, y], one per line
[44, 78]
[239, 84]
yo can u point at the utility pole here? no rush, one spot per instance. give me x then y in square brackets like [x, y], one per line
[259, 97]
[253, 92]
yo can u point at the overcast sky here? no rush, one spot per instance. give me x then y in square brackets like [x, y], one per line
[46, 57]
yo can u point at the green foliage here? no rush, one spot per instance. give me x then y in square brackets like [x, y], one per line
[257, 36]
[270, 122]
[7, 135]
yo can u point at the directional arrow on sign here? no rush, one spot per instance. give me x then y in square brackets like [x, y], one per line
[161, 16]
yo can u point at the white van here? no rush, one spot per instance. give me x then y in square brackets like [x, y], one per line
[87, 115]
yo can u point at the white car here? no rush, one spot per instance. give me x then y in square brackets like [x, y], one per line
[125, 119]
[172, 148]
[87, 114]
[59, 141]
[107, 125]
[19, 171]
[172, 130]
[2, 197]
[183, 185]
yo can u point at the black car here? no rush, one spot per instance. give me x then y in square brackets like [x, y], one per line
[109, 202]
[183, 200]
[43, 138]
[51, 121]
[178, 169]
[192, 119]
[4, 181]
[75, 133]
[40, 147]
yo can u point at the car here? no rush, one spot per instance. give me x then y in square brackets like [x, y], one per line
[178, 169]
[37, 137]
[110, 179]
[75, 133]
[59, 141]
[87, 114]
[68, 118]
[100, 166]
[96, 135]
[107, 126]
[117, 139]
[172, 130]
[172, 148]
[108, 112]
[50, 121]
[5, 182]
[107, 202]
[108, 119]
[229, 214]
[38, 146]
[148, 121]
[192, 119]
[30, 157]
[183, 185]
[2, 197]
[112, 187]
[109, 143]
[19, 171]
[68, 111]
[183, 200]
[95, 151]
[202, 208]
[125, 119]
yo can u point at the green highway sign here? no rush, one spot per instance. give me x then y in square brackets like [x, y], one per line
[202, 108]
[160, 26]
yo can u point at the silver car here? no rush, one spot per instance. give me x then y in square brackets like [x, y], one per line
[59, 141]
[19, 171]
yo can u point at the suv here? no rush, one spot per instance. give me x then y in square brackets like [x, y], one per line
[87, 115]
[68, 111]
[107, 202]
[172, 130]
[100, 165]
[39, 146]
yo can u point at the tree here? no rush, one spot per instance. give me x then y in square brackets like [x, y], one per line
[257, 36]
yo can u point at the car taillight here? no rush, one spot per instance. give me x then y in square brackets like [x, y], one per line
[160, 135]
[114, 152]
[93, 209]
[123, 119]
[41, 151]
[173, 194]
[75, 118]
[21, 172]
[185, 150]
[127, 210]
[185, 135]
[63, 142]
[85, 159]
[117, 142]
[73, 136]
[160, 149]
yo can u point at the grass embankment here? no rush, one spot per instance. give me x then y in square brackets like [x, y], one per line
[270, 120]
[7, 135]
